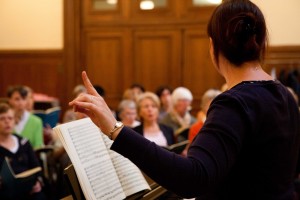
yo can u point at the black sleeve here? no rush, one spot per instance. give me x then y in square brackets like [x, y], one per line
[211, 155]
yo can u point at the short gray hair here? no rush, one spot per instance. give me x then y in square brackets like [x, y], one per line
[208, 96]
[126, 103]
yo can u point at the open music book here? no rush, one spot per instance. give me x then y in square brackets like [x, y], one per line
[49, 117]
[17, 184]
[102, 173]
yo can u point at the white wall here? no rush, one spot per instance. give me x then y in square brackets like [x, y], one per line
[38, 24]
[283, 20]
[31, 24]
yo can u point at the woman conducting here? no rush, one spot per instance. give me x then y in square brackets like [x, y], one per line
[248, 146]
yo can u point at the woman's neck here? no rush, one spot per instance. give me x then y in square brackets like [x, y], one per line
[250, 71]
[18, 115]
[150, 125]
[6, 140]
[167, 107]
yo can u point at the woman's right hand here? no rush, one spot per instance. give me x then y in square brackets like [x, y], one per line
[94, 106]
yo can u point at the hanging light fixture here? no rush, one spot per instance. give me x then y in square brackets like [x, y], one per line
[215, 1]
[112, 2]
[206, 2]
[146, 5]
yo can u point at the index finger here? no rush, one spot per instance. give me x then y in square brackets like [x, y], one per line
[88, 85]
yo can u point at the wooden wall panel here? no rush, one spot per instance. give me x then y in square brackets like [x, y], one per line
[199, 74]
[107, 62]
[161, 46]
[282, 58]
[41, 70]
[157, 59]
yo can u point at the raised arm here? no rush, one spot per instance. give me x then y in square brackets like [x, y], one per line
[94, 106]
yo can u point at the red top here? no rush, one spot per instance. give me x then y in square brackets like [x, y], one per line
[194, 130]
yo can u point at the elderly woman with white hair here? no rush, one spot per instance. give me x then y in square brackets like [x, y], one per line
[180, 118]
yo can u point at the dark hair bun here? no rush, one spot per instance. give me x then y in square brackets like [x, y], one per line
[238, 31]
[241, 27]
[241, 37]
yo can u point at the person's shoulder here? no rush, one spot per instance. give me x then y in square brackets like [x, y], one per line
[193, 120]
[236, 93]
[136, 123]
[166, 128]
[22, 140]
[252, 87]
[232, 99]
[35, 118]
[196, 125]
[138, 129]
[166, 119]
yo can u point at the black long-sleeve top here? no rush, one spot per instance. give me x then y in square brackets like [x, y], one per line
[247, 148]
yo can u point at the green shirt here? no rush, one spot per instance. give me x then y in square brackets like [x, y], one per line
[33, 131]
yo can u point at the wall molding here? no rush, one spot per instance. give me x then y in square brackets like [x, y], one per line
[283, 55]
[13, 53]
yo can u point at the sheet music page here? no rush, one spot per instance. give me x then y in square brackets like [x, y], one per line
[92, 163]
[129, 174]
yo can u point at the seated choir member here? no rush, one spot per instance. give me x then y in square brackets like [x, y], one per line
[27, 124]
[164, 94]
[47, 130]
[19, 152]
[137, 90]
[70, 115]
[30, 99]
[148, 110]
[127, 112]
[180, 118]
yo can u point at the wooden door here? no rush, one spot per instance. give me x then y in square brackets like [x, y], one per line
[107, 61]
[199, 73]
[157, 58]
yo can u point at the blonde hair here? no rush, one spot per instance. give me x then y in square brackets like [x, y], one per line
[128, 94]
[148, 95]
